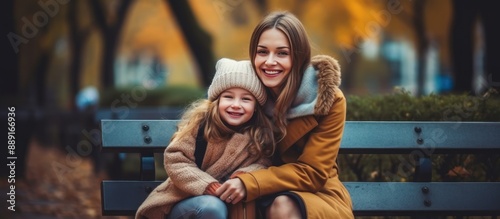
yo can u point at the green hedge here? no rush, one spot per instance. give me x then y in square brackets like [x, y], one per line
[397, 106]
[402, 106]
[175, 96]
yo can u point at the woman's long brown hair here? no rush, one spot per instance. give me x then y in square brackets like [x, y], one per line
[301, 57]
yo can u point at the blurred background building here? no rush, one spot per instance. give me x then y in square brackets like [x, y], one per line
[62, 47]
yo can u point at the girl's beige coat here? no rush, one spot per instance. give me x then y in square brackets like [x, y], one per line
[220, 161]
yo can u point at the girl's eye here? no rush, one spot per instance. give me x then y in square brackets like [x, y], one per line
[227, 96]
[247, 98]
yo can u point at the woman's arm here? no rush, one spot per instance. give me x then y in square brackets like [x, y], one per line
[312, 168]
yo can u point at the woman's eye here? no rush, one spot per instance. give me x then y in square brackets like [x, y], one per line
[261, 52]
[283, 53]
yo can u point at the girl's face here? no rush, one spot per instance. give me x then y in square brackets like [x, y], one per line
[273, 60]
[236, 106]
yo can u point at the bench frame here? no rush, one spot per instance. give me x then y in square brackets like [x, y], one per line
[417, 141]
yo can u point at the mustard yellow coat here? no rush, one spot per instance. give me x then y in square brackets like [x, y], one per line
[309, 152]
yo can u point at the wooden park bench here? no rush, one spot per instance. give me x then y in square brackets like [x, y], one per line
[415, 142]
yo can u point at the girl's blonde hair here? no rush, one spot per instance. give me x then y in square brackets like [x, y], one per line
[206, 112]
[300, 54]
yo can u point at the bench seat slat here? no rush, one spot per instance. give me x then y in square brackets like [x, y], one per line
[124, 197]
[369, 198]
[407, 198]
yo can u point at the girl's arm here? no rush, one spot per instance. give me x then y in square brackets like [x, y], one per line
[182, 169]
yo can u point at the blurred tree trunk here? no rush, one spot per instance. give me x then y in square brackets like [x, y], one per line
[348, 73]
[10, 82]
[461, 48]
[111, 37]
[463, 37]
[77, 39]
[9, 85]
[199, 41]
[40, 78]
[422, 44]
[262, 6]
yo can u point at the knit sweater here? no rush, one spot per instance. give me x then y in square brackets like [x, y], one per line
[221, 160]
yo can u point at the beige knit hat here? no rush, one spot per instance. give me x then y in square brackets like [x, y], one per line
[230, 73]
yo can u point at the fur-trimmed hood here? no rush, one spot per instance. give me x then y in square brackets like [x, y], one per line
[316, 93]
[329, 79]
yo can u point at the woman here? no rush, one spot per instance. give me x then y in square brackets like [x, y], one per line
[235, 129]
[309, 112]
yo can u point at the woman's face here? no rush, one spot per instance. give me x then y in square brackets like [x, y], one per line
[236, 106]
[273, 60]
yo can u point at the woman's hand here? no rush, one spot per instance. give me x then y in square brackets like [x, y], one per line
[231, 191]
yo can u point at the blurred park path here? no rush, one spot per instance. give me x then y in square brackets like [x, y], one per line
[74, 192]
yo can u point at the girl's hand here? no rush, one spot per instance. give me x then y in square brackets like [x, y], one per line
[231, 191]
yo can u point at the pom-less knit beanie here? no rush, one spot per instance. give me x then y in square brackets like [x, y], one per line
[230, 73]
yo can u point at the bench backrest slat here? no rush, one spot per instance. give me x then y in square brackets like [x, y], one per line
[141, 113]
[359, 136]
[132, 135]
[443, 137]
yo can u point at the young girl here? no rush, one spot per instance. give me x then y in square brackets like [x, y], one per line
[309, 112]
[238, 139]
